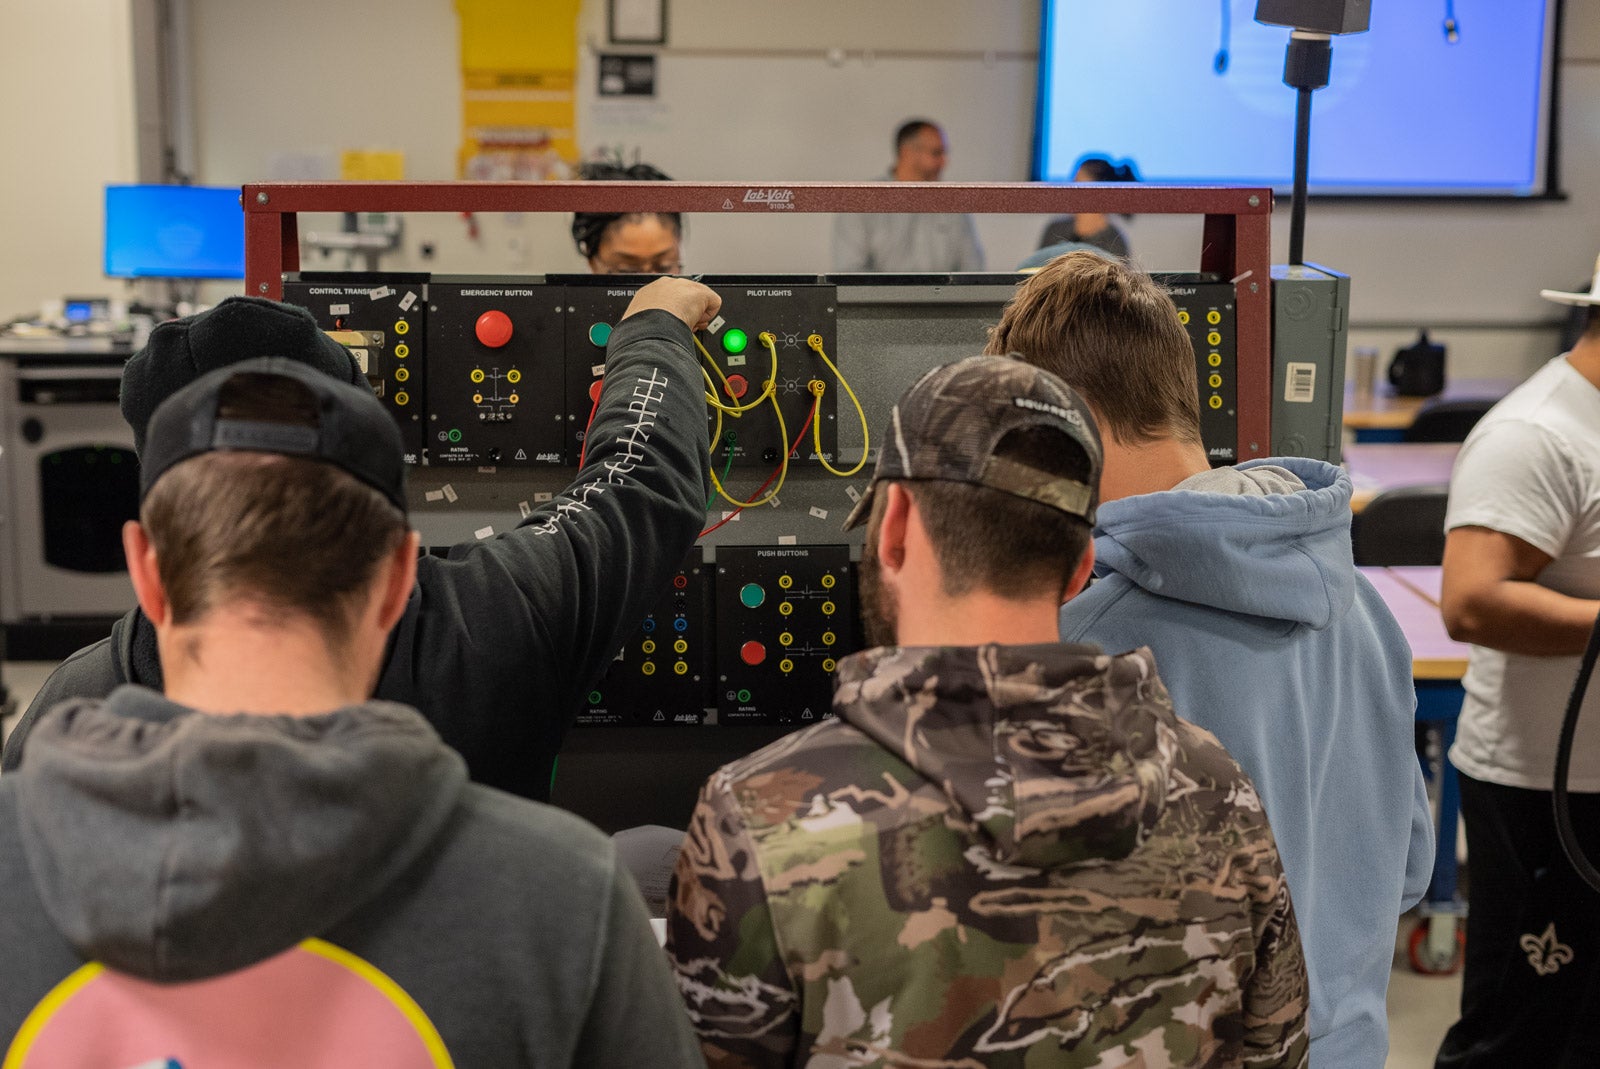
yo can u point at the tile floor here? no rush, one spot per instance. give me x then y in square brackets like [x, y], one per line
[1421, 1008]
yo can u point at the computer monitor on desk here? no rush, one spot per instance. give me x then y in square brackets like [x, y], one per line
[155, 231]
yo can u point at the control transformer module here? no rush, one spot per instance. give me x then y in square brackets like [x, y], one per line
[382, 320]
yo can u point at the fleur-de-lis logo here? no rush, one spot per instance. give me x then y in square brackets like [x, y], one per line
[1545, 954]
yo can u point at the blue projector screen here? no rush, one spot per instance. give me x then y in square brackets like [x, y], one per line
[174, 232]
[1405, 113]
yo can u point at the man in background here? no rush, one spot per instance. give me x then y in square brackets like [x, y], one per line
[262, 865]
[1522, 584]
[909, 242]
[1242, 583]
[1004, 850]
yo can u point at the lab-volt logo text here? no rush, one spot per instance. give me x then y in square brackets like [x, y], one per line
[781, 200]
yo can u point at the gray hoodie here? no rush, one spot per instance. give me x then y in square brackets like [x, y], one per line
[202, 859]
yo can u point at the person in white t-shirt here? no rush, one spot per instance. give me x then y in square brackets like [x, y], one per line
[1522, 584]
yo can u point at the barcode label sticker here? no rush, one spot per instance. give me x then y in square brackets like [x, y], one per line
[730, 517]
[524, 508]
[541, 498]
[483, 532]
[715, 325]
[597, 370]
[787, 540]
[449, 493]
[853, 493]
[380, 293]
[1300, 384]
[407, 301]
[487, 471]
[434, 495]
[819, 513]
[736, 361]
[338, 309]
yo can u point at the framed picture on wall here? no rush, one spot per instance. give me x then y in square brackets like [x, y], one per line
[637, 22]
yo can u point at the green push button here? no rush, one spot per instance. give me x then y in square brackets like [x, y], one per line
[454, 435]
[751, 595]
[599, 334]
[735, 341]
[594, 697]
[744, 695]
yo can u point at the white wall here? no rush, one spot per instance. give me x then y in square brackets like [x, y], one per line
[747, 91]
[67, 127]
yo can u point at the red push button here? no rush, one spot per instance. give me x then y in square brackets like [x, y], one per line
[752, 652]
[594, 391]
[494, 329]
[738, 386]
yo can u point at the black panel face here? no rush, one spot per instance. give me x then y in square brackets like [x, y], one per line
[591, 312]
[496, 374]
[382, 321]
[791, 315]
[663, 674]
[785, 615]
[758, 325]
[1207, 312]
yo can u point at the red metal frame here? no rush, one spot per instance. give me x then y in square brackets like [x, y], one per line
[1236, 240]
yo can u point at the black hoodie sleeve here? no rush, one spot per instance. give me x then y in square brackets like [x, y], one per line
[502, 639]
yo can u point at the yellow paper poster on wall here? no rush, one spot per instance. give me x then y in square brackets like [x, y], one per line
[519, 69]
[369, 165]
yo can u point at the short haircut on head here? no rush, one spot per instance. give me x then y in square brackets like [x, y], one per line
[910, 129]
[1114, 335]
[285, 534]
[994, 541]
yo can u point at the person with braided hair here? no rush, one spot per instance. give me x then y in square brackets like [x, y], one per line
[632, 243]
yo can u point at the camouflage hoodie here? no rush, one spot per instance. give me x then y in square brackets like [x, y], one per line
[995, 856]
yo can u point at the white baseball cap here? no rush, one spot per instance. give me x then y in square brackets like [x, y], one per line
[1590, 298]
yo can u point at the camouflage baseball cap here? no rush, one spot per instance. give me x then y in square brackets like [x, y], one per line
[947, 425]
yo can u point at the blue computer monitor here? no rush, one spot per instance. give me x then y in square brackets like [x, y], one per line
[174, 232]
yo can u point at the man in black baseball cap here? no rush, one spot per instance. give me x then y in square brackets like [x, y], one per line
[500, 641]
[267, 836]
[984, 849]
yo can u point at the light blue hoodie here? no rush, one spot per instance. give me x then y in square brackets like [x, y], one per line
[1268, 636]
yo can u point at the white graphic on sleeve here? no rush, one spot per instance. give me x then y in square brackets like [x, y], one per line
[648, 391]
[1545, 954]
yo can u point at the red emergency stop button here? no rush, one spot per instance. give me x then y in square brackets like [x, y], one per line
[494, 328]
[594, 391]
[752, 652]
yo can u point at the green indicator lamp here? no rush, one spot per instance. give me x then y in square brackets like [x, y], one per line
[735, 341]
